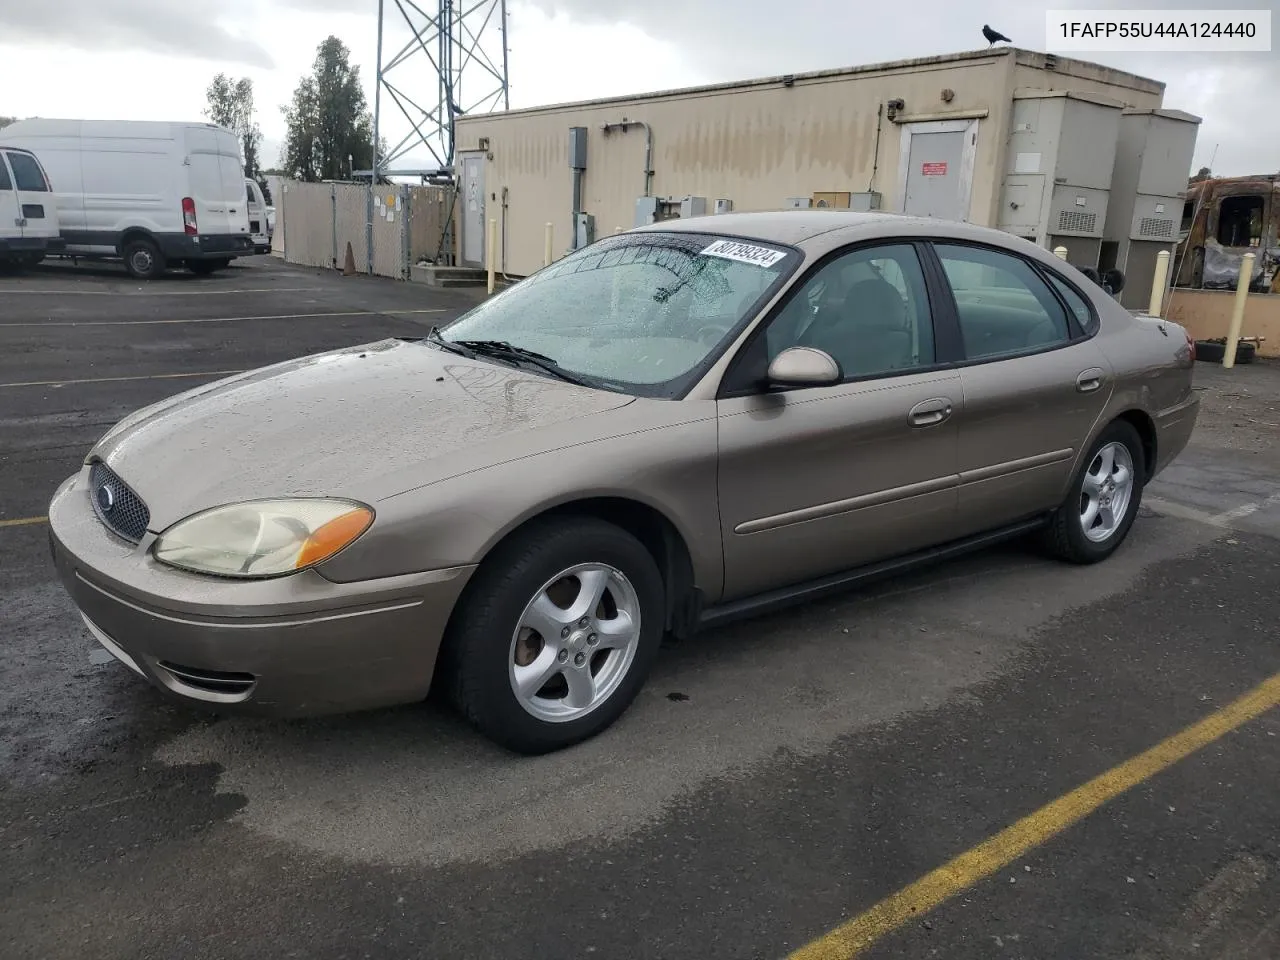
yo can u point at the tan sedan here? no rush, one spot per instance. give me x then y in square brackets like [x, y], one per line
[673, 426]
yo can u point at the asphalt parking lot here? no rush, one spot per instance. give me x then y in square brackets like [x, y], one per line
[777, 779]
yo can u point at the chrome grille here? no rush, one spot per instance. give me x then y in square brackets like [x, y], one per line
[122, 510]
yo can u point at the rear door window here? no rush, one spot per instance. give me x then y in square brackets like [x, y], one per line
[5, 182]
[1004, 307]
[26, 172]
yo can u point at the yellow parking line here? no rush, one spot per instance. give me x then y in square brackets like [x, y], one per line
[23, 521]
[279, 316]
[153, 376]
[912, 902]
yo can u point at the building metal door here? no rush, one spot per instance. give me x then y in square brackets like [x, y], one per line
[473, 208]
[935, 172]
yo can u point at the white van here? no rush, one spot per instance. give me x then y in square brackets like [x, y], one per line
[28, 212]
[154, 194]
[260, 225]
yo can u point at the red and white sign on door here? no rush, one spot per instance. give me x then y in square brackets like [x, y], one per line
[935, 169]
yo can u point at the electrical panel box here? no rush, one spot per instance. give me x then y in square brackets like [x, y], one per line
[578, 148]
[646, 210]
[838, 200]
[1077, 211]
[1153, 161]
[798, 203]
[724, 206]
[584, 230]
[693, 207]
[1060, 164]
[865, 202]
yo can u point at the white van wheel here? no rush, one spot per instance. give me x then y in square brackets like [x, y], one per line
[143, 260]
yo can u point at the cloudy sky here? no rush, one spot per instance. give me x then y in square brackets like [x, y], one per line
[152, 59]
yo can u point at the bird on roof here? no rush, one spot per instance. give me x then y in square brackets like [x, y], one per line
[993, 36]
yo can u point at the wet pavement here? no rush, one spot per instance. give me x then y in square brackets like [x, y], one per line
[773, 779]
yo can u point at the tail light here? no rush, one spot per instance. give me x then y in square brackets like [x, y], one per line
[189, 216]
[1191, 343]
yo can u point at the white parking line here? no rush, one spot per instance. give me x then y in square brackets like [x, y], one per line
[150, 376]
[1223, 519]
[143, 295]
[280, 316]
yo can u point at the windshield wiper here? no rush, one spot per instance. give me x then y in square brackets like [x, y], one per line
[434, 336]
[503, 350]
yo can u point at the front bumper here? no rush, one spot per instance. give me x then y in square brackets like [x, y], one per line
[293, 646]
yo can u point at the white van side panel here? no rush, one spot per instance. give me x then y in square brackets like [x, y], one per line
[130, 181]
[114, 179]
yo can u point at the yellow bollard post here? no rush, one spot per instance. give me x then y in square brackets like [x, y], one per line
[1237, 310]
[1060, 252]
[1158, 283]
[546, 244]
[492, 253]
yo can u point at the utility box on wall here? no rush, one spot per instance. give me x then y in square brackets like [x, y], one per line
[578, 148]
[865, 202]
[724, 206]
[1058, 175]
[693, 207]
[584, 230]
[646, 211]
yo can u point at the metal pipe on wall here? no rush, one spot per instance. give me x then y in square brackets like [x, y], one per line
[648, 147]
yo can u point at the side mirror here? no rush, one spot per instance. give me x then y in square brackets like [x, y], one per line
[803, 367]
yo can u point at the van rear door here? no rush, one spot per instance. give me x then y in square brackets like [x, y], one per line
[37, 209]
[10, 208]
[217, 182]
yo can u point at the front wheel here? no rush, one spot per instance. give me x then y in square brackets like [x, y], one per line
[1100, 509]
[556, 634]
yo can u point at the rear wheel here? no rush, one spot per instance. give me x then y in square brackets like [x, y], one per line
[1100, 509]
[143, 260]
[556, 634]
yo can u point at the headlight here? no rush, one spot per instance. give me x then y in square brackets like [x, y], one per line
[262, 538]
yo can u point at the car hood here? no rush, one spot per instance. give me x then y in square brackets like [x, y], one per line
[366, 422]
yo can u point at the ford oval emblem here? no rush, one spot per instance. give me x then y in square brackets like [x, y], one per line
[106, 498]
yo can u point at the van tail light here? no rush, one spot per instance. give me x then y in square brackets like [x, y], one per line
[1191, 343]
[189, 216]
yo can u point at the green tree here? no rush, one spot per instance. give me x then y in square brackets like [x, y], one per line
[5, 121]
[329, 128]
[1202, 174]
[230, 105]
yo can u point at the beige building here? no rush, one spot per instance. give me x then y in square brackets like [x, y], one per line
[931, 135]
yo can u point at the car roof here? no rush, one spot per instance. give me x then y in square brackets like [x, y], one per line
[822, 229]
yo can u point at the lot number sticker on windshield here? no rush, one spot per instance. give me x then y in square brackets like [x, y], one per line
[744, 253]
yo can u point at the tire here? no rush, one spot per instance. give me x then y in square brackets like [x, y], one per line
[1065, 535]
[487, 644]
[143, 259]
[204, 268]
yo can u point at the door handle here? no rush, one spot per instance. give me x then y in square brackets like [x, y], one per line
[926, 413]
[1089, 381]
